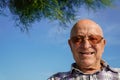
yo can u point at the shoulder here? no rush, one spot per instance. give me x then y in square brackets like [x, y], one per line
[108, 67]
[116, 69]
[59, 75]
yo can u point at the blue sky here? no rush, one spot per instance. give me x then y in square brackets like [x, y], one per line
[44, 50]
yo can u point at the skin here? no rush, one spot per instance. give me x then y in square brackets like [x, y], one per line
[86, 55]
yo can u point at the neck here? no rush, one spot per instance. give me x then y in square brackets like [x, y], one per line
[90, 69]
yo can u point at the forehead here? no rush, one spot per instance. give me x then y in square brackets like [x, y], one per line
[86, 28]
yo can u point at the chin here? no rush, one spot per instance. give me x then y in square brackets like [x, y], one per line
[88, 63]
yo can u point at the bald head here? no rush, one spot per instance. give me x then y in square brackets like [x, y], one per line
[87, 45]
[86, 26]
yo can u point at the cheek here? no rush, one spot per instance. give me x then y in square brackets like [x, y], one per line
[74, 48]
[99, 49]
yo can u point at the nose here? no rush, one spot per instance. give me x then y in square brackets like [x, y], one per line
[85, 44]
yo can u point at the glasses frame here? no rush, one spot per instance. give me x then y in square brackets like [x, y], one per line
[76, 39]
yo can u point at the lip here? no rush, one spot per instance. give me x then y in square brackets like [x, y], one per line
[87, 53]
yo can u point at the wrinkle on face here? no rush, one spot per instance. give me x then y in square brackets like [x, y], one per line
[83, 53]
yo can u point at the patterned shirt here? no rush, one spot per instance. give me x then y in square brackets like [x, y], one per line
[107, 73]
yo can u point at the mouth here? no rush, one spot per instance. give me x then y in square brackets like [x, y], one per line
[87, 53]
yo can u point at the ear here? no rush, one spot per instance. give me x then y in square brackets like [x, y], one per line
[104, 42]
[69, 42]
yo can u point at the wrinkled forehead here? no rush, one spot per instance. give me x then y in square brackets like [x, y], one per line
[86, 28]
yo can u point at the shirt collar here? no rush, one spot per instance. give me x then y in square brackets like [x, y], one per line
[105, 66]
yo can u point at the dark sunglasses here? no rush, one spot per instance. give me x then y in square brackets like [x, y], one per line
[93, 39]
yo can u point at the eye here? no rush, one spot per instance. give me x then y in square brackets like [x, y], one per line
[95, 39]
[76, 40]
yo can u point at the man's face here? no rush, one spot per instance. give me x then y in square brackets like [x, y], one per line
[87, 45]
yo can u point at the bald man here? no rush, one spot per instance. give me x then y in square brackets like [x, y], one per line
[87, 46]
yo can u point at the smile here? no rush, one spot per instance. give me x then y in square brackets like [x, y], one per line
[87, 53]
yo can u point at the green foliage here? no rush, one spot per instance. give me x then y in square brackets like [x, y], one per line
[27, 12]
[2, 6]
